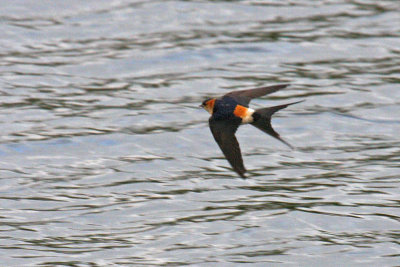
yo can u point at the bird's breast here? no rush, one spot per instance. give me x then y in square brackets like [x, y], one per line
[246, 114]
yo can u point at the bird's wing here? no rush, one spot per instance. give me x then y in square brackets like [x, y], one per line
[224, 134]
[243, 97]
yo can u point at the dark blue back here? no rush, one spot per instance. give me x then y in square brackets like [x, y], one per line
[223, 108]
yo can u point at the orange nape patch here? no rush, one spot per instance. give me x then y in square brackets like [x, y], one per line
[210, 105]
[240, 111]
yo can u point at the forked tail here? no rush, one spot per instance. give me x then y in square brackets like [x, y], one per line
[262, 120]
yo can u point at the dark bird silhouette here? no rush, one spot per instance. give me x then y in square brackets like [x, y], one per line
[231, 110]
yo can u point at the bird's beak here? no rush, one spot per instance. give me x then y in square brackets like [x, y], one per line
[201, 106]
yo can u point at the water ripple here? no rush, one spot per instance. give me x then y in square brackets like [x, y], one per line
[106, 159]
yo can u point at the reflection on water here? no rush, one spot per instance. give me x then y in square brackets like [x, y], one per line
[106, 159]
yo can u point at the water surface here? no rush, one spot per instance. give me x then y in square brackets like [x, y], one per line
[105, 159]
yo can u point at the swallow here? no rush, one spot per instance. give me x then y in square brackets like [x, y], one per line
[232, 110]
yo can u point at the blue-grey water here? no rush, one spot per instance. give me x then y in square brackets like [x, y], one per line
[106, 159]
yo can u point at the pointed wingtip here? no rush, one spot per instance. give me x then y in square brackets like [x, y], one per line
[275, 87]
[283, 85]
[242, 174]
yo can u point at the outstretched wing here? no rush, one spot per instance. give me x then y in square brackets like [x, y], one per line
[224, 134]
[243, 97]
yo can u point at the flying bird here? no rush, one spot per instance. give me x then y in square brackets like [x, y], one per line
[231, 110]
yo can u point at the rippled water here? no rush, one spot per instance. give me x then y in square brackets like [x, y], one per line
[105, 158]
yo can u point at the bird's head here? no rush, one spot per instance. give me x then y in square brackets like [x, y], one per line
[208, 105]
